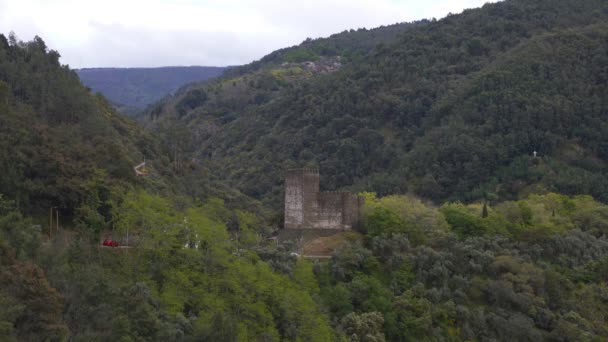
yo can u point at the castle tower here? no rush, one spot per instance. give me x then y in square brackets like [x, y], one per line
[308, 208]
[301, 192]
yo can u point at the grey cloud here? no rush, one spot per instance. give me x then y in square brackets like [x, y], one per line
[107, 42]
[123, 46]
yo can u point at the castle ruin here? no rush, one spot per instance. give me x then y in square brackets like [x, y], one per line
[307, 207]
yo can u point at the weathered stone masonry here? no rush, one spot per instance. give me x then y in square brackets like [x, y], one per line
[307, 207]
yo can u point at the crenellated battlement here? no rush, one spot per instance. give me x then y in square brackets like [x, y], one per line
[304, 170]
[307, 207]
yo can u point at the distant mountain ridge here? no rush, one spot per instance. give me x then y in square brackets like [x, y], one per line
[136, 88]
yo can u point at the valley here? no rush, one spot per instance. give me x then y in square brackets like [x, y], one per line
[437, 180]
[131, 90]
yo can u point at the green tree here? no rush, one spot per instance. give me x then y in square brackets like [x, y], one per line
[366, 327]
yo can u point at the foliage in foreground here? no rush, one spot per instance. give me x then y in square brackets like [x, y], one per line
[183, 279]
[527, 270]
[530, 270]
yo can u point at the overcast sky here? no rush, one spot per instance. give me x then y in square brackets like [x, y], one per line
[149, 33]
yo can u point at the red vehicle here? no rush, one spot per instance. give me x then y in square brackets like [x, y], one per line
[110, 243]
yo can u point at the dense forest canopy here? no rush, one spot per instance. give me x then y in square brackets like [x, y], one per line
[56, 137]
[63, 146]
[449, 109]
[181, 276]
[478, 142]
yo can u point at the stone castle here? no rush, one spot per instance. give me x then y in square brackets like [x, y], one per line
[307, 207]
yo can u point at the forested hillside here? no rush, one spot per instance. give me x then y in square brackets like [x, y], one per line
[460, 134]
[136, 88]
[451, 109]
[186, 268]
[350, 45]
[527, 270]
[59, 142]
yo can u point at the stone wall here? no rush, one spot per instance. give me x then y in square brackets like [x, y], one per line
[351, 209]
[297, 182]
[310, 186]
[307, 207]
[330, 211]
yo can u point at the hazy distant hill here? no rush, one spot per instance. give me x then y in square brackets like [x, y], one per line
[139, 87]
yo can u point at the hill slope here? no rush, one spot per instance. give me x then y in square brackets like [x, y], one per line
[61, 146]
[180, 277]
[197, 269]
[136, 88]
[58, 139]
[451, 109]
